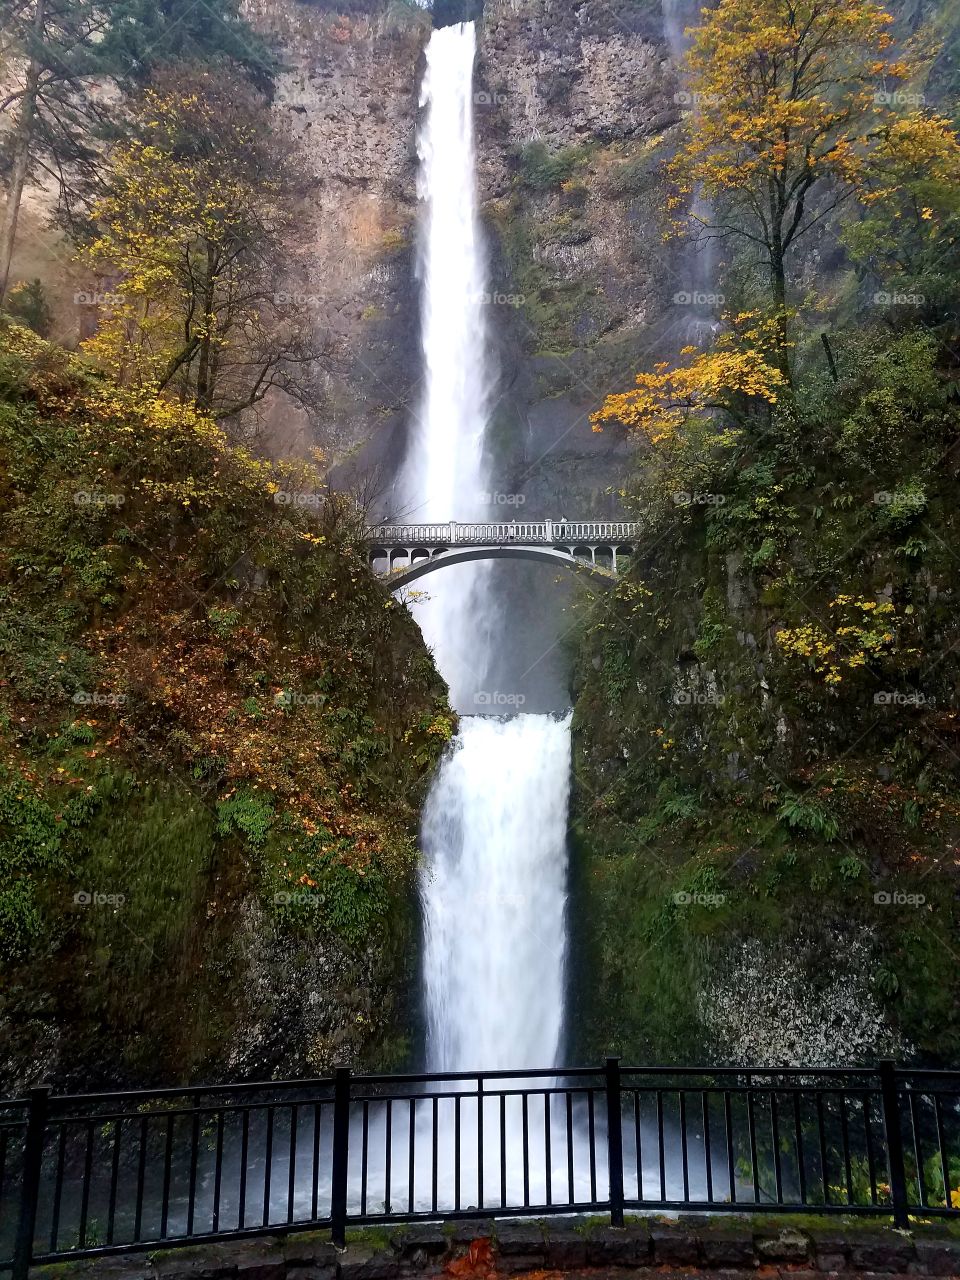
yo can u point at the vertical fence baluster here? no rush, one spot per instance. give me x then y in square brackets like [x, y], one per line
[217, 1174]
[412, 1155]
[614, 1142]
[192, 1176]
[752, 1133]
[364, 1155]
[944, 1169]
[244, 1158]
[922, 1198]
[822, 1140]
[317, 1132]
[571, 1194]
[456, 1152]
[798, 1139]
[58, 1189]
[728, 1129]
[845, 1143]
[435, 1153]
[548, 1170]
[503, 1150]
[268, 1168]
[661, 1152]
[141, 1176]
[480, 1142]
[167, 1159]
[526, 1149]
[340, 1156]
[868, 1139]
[684, 1156]
[894, 1140]
[707, 1155]
[114, 1181]
[639, 1142]
[292, 1170]
[38, 1108]
[592, 1142]
[85, 1189]
[775, 1138]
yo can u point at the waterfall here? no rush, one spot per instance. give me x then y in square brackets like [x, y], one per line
[702, 300]
[494, 901]
[494, 832]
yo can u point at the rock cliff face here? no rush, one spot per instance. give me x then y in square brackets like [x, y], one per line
[573, 101]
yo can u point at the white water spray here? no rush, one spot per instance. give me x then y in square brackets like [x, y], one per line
[493, 884]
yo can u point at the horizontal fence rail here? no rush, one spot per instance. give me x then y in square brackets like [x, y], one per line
[107, 1173]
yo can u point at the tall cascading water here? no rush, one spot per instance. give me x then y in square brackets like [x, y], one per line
[700, 262]
[494, 832]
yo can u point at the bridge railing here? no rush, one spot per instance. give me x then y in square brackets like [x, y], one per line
[98, 1174]
[535, 532]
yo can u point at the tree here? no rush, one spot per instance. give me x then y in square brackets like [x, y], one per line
[191, 237]
[908, 234]
[71, 50]
[790, 103]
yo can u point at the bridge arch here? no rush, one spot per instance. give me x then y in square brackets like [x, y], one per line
[548, 555]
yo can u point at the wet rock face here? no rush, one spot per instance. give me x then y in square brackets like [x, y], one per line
[564, 72]
[581, 284]
[349, 95]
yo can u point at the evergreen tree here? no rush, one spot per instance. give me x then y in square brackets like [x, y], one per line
[73, 51]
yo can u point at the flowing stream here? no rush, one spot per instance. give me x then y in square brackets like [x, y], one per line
[494, 831]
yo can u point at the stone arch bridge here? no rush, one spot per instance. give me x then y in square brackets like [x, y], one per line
[405, 552]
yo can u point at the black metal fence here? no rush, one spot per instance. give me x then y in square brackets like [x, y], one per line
[108, 1173]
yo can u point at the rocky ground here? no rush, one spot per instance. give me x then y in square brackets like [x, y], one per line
[730, 1249]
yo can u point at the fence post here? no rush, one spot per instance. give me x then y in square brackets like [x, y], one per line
[341, 1146]
[614, 1141]
[30, 1190]
[894, 1136]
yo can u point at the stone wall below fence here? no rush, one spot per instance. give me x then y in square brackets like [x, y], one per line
[731, 1248]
